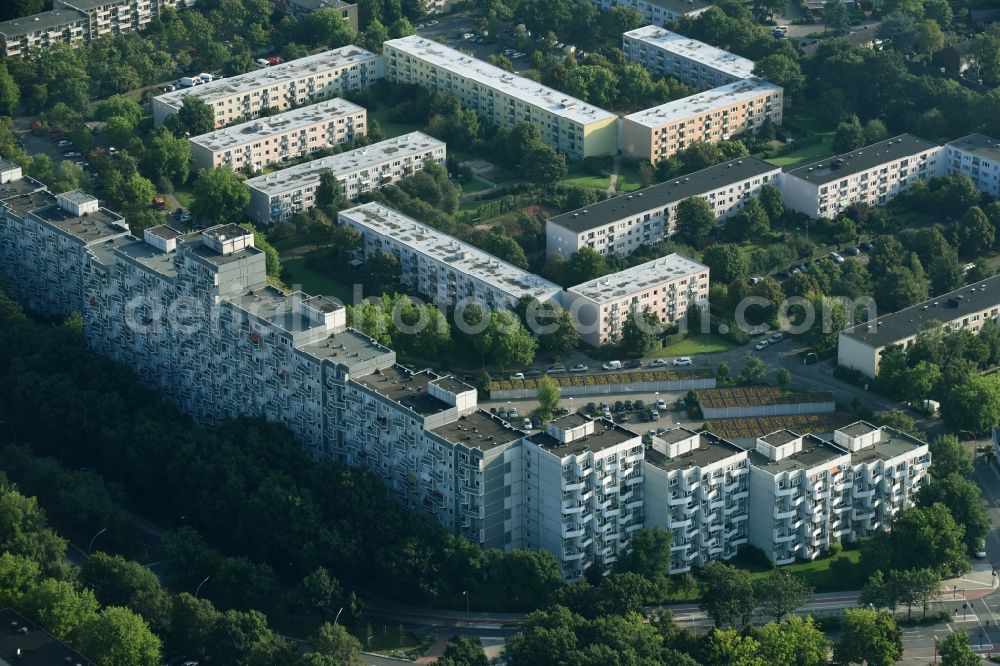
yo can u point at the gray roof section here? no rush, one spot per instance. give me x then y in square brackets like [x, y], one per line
[89, 228]
[51, 20]
[980, 145]
[814, 453]
[349, 347]
[479, 430]
[663, 194]
[405, 388]
[891, 444]
[711, 449]
[22, 185]
[21, 204]
[606, 434]
[857, 429]
[275, 307]
[834, 168]
[891, 328]
[704, 102]
[150, 258]
[633, 280]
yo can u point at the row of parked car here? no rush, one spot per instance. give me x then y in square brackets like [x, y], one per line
[70, 152]
[631, 364]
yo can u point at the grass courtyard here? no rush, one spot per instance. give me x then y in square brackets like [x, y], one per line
[696, 344]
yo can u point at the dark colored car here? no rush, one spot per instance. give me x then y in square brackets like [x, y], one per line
[633, 363]
[639, 405]
[628, 405]
[619, 406]
[591, 406]
[528, 374]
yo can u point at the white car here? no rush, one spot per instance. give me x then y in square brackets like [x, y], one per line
[836, 257]
[661, 404]
[683, 360]
[776, 337]
[580, 367]
[658, 363]
[517, 375]
[760, 345]
[526, 425]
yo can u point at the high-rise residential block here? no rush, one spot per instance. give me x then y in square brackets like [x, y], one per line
[695, 63]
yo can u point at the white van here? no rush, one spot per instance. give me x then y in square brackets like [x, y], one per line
[612, 365]
[262, 63]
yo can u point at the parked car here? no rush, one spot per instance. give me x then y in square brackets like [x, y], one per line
[607, 414]
[639, 405]
[517, 375]
[836, 257]
[760, 345]
[981, 551]
[683, 360]
[556, 369]
[71, 153]
[658, 363]
[628, 405]
[852, 251]
[502, 413]
[775, 337]
[493, 411]
[526, 424]
[867, 247]
[633, 363]
[654, 415]
[512, 412]
[536, 422]
[661, 404]
[64, 142]
[274, 60]
[591, 406]
[530, 374]
[619, 406]
[580, 367]
[612, 365]
[262, 63]
[603, 405]
[432, 23]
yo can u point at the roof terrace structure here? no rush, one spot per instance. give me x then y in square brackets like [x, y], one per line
[441, 266]
[280, 195]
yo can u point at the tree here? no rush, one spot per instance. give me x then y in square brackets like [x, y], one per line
[835, 17]
[727, 647]
[327, 27]
[782, 70]
[795, 641]
[191, 622]
[780, 593]
[886, 253]
[850, 135]
[869, 637]
[120, 107]
[116, 579]
[926, 537]
[547, 395]
[899, 288]
[330, 192]
[928, 38]
[878, 593]
[727, 263]
[170, 156]
[401, 28]
[694, 219]
[506, 341]
[875, 131]
[220, 197]
[754, 371]
[948, 457]
[334, 641]
[773, 203]
[585, 264]
[235, 635]
[195, 117]
[650, 554]
[504, 247]
[10, 94]
[973, 404]
[59, 607]
[119, 637]
[946, 273]
[784, 377]
[751, 223]
[564, 338]
[955, 650]
[974, 232]
[727, 594]
[18, 575]
[964, 500]
[375, 34]
[639, 331]
[543, 165]
[463, 651]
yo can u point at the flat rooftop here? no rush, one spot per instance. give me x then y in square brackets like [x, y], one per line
[105, 251]
[37, 648]
[757, 395]
[693, 50]
[891, 444]
[349, 347]
[41, 22]
[779, 437]
[90, 228]
[269, 76]
[638, 278]
[22, 185]
[150, 258]
[24, 203]
[814, 453]
[195, 244]
[858, 428]
[448, 250]
[711, 449]
[490, 76]
[663, 194]
[837, 167]
[263, 128]
[606, 434]
[452, 385]
[406, 388]
[376, 154]
[706, 102]
[682, 6]
[479, 430]
[979, 145]
[891, 328]
[275, 307]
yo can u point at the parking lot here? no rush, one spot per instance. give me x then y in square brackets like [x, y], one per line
[452, 27]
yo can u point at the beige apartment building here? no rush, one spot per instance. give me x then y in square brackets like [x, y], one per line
[279, 87]
[666, 53]
[569, 125]
[255, 144]
[716, 115]
[667, 286]
[58, 26]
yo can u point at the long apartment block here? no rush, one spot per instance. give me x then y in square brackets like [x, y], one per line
[978, 157]
[277, 196]
[440, 266]
[667, 286]
[295, 134]
[697, 487]
[873, 175]
[659, 12]
[572, 127]
[716, 115]
[233, 345]
[623, 224]
[279, 87]
[75, 22]
[807, 493]
[666, 53]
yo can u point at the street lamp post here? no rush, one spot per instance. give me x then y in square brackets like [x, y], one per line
[338, 616]
[198, 589]
[91, 544]
[468, 612]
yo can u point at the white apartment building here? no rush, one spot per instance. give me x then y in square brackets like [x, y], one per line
[572, 127]
[978, 157]
[659, 12]
[583, 495]
[255, 144]
[277, 196]
[797, 508]
[968, 308]
[697, 487]
[873, 175]
[57, 26]
[279, 87]
[716, 115]
[887, 469]
[667, 286]
[696, 63]
[624, 223]
[447, 270]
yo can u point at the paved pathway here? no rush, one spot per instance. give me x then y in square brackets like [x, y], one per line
[613, 179]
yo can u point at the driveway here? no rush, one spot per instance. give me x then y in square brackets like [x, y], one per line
[452, 27]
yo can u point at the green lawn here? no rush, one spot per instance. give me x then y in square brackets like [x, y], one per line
[819, 576]
[628, 179]
[583, 180]
[392, 129]
[296, 273]
[696, 344]
[806, 154]
[473, 186]
[185, 197]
